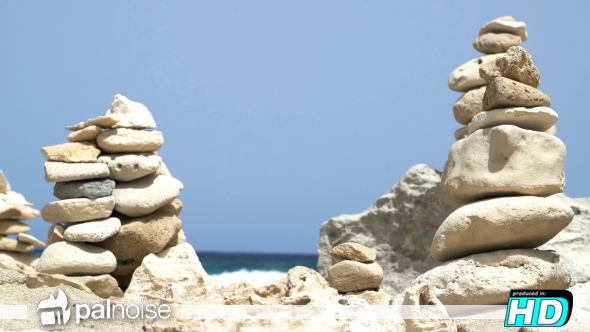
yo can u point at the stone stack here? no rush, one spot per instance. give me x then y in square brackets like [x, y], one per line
[13, 209]
[358, 270]
[502, 171]
[118, 202]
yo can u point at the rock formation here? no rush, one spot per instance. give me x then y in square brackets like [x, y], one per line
[117, 201]
[399, 227]
[357, 271]
[13, 209]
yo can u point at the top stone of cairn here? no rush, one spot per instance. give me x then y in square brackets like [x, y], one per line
[505, 24]
[353, 251]
[131, 114]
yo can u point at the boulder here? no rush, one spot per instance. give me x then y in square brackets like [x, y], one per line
[26, 238]
[129, 140]
[537, 118]
[516, 65]
[22, 257]
[62, 172]
[84, 189]
[461, 133]
[399, 227]
[353, 251]
[128, 167]
[145, 195]
[500, 223]
[504, 161]
[72, 258]
[11, 227]
[173, 273]
[131, 114]
[55, 234]
[505, 25]
[504, 92]
[307, 287]
[9, 244]
[486, 279]
[139, 237]
[86, 134]
[92, 231]
[101, 121]
[79, 152]
[491, 43]
[431, 315]
[470, 104]
[466, 77]
[4, 185]
[78, 209]
[351, 276]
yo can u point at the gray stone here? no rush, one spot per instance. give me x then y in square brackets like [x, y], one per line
[62, 172]
[145, 195]
[93, 231]
[399, 227]
[72, 258]
[84, 189]
[128, 167]
[78, 209]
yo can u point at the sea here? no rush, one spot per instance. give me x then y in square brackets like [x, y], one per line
[258, 269]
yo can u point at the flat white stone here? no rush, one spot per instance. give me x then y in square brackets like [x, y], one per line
[500, 26]
[78, 209]
[131, 114]
[466, 77]
[128, 167]
[74, 258]
[63, 172]
[26, 238]
[145, 195]
[93, 231]
[537, 118]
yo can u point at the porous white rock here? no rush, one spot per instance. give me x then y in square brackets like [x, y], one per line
[78, 209]
[502, 24]
[63, 172]
[145, 195]
[100, 121]
[92, 231]
[125, 140]
[128, 167]
[131, 114]
[86, 134]
[74, 258]
[503, 161]
[466, 76]
[536, 118]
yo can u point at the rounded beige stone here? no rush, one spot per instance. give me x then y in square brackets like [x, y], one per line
[537, 118]
[72, 258]
[470, 104]
[78, 209]
[491, 43]
[9, 244]
[26, 238]
[524, 222]
[145, 195]
[55, 234]
[125, 140]
[11, 227]
[85, 134]
[461, 133]
[92, 231]
[353, 251]
[128, 167]
[64, 172]
[79, 152]
[351, 276]
[504, 161]
[466, 77]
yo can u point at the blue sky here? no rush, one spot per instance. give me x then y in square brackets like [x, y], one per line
[276, 115]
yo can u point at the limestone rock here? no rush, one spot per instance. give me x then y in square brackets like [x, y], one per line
[307, 287]
[131, 114]
[22, 257]
[129, 140]
[504, 92]
[80, 152]
[128, 167]
[177, 204]
[9, 244]
[174, 273]
[504, 161]
[466, 76]
[4, 185]
[84, 189]
[461, 133]
[491, 43]
[373, 297]
[399, 227]
[101, 121]
[470, 104]
[500, 223]
[102, 285]
[419, 300]
[351, 276]
[353, 251]
[551, 131]
[516, 65]
[86, 134]
[55, 234]
[26, 238]
[272, 293]
[14, 206]
[145, 195]
[238, 293]
[537, 118]
[163, 170]
[71, 258]
[78, 209]
[11, 227]
[139, 237]
[62, 172]
[92, 231]
[180, 238]
[505, 25]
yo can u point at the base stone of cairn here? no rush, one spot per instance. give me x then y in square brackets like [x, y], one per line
[502, 168]
[118, 202]
[13, 209]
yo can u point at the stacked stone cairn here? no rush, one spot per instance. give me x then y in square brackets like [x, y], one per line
[118, 202]
[13, 209]
[503, 170]
[357, 271]
[495, 38]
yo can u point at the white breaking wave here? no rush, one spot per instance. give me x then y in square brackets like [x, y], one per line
[255, 277]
